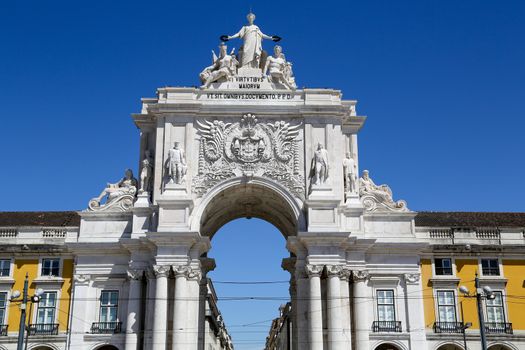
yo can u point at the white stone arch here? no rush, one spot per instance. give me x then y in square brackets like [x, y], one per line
[449, 342]
[505, 344]
[280, 195]
[396, 343]
[44, 345]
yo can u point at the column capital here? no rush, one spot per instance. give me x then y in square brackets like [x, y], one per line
[314, 270]
[135, 274]
[346, 273]
[334, 270]
[412, 278]
[161, 270]
[360, 275]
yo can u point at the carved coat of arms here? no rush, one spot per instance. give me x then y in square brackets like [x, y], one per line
[248, 148]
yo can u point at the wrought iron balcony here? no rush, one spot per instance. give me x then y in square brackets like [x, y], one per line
[43, 329]
[386, 326]
[498, 328]
[106, 327]
[3, 330]
[449, 327]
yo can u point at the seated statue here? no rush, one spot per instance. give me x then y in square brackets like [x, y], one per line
[280, 69]
[119, 196]
[224, 66]
[376, 197]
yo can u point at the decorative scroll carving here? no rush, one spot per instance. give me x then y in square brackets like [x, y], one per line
[412, 278]
[313, 270]
[81, 278]
[119, 196]
[248, 148]
[378, 198]
[187, 271]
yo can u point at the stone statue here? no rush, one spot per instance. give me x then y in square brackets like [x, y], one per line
[350, 173]
[280, 69]
[146, 173]
[376, 198]
[120, 195]
[224, 66]
[252, 43]
[319, 170]
[176, 164]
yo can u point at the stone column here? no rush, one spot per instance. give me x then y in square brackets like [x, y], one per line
[192, 322]
[362, 302]
[150, 310]
[345, 308]
[315, 307]
[161, 308]
[415, 314]
[134, 309]
[180, 313]
[302, 288]
[335, 322]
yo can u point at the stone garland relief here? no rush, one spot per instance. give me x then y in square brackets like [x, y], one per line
[248, 148]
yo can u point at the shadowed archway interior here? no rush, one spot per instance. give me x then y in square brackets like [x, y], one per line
[248, 200]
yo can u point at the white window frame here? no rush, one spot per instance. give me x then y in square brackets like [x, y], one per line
[37, 308]
[114, 290]
[394, 303]
[60, 266]
[500, 267]
[453, 266]
[436, 302]
[6, 307]
[503, 304]
[10, 267]
[48, 289]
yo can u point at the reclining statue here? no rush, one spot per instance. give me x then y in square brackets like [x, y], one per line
[376, 197]
[119, 196]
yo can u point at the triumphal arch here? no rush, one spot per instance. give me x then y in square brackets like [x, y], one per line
[249, 143]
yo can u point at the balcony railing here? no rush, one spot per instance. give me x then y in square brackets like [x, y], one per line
[3, 330]
[386, 326]
[498, 328]
[106, 327]
[43, 329]
[449, 327]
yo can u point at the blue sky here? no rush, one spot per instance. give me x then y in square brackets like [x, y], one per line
[442, 84]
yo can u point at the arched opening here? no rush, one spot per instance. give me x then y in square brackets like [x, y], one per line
[449, 347]
[42, 347]
[248, 224]
[257, 198]
[387, 347]
[107, 347]
[499, 347]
